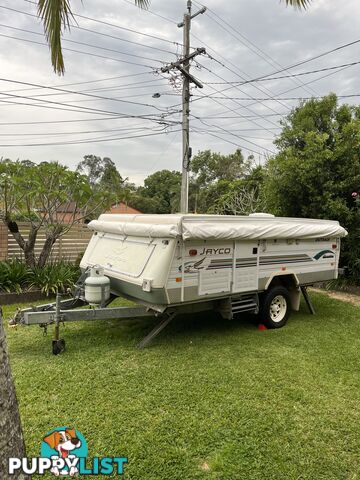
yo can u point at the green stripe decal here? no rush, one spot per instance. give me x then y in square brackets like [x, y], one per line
[323, 252]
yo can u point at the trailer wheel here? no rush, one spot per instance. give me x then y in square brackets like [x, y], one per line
[275, 307]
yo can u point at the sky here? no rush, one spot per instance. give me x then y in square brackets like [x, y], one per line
[113, 88]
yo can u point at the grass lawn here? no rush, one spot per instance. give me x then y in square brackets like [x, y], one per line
[210, 399]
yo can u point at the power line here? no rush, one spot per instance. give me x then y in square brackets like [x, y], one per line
[254, 48]
[109, 24]
[235, 135]
[80, 120]
[87, 82]
[149, 117]
[272, 99]
[303, 62]
[51, 134]
[84, 43]
[151, 12]
[281, 93]
[283, 76]
[77, 27]
[73, 92]
[79, 51]
[232, 143]
[95, 97]
[245, 117]
[250, 97]
[75, 142]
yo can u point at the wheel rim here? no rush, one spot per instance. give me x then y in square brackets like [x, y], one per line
[278, 308]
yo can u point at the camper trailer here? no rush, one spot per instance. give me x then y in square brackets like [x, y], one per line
[188, 263]
[172, 260]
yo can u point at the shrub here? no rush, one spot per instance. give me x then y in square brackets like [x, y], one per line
[14, 275]
[54, 277]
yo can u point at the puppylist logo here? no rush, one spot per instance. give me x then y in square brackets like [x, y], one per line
[64, 452]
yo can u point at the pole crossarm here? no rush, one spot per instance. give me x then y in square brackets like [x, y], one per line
[171, 66]
[202, 10]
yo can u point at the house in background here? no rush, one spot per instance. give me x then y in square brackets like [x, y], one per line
[66, 213]
[122, 207]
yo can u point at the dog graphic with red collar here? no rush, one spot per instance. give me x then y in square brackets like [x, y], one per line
[64, 442]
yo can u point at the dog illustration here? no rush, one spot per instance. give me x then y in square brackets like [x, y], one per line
[63, 441]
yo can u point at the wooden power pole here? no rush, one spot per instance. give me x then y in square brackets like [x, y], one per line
[184, 66]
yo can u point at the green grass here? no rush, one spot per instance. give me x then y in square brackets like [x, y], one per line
[210, 399]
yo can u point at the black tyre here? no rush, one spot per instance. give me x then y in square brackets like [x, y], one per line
[275, 307]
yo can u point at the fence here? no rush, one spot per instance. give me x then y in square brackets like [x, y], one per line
[68, 247]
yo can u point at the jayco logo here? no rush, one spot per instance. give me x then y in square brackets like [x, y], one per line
[64, 452]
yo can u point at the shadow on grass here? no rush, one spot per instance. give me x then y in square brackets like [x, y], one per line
[205, 327]
[126, 334]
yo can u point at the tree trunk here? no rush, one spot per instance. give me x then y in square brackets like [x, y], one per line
[11, 438]
[29, 257]
[46, 251]
[27, 246]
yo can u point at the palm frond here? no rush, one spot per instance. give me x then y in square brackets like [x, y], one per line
[56, 16]
[298, 3]
[142, 3]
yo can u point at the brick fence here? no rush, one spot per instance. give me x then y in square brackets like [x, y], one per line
[68, 247]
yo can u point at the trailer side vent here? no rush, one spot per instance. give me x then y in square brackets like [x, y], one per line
[146, 285]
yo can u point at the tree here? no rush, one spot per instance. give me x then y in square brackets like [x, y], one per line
[317, 168]
[104, 179]
[11, 440]
[208, 167]
[244, 196]
[162, 189]
[211, 176]
[100, 172]
[43, 195]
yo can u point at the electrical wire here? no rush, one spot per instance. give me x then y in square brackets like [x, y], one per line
[75, 142]
[109, 24]
[81, 120]
[147, 10]
[77, 27]
[236, 136]
[284, 76]
[229, 141]
[51, 134]
[73, 92]
[249, 44]
[84, 44]
[79, 51]
[274, 99]
[87, 82]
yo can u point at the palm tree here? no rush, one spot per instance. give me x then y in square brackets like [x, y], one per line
[56, 16]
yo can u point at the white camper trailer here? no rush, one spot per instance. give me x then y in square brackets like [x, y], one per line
[187, 263]
[163, 260]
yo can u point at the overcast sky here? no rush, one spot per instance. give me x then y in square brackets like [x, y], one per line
[245, 39]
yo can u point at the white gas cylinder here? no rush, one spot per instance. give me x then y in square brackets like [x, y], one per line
[97, 286]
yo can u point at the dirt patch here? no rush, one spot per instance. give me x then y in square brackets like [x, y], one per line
[345, 297]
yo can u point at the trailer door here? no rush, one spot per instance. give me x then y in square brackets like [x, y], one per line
[245, 266]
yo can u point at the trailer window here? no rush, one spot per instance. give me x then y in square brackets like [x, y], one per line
[128, 257]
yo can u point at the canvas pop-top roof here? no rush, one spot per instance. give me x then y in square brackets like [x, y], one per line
[216, 227]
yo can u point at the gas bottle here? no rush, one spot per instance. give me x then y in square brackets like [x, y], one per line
[97, 286]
